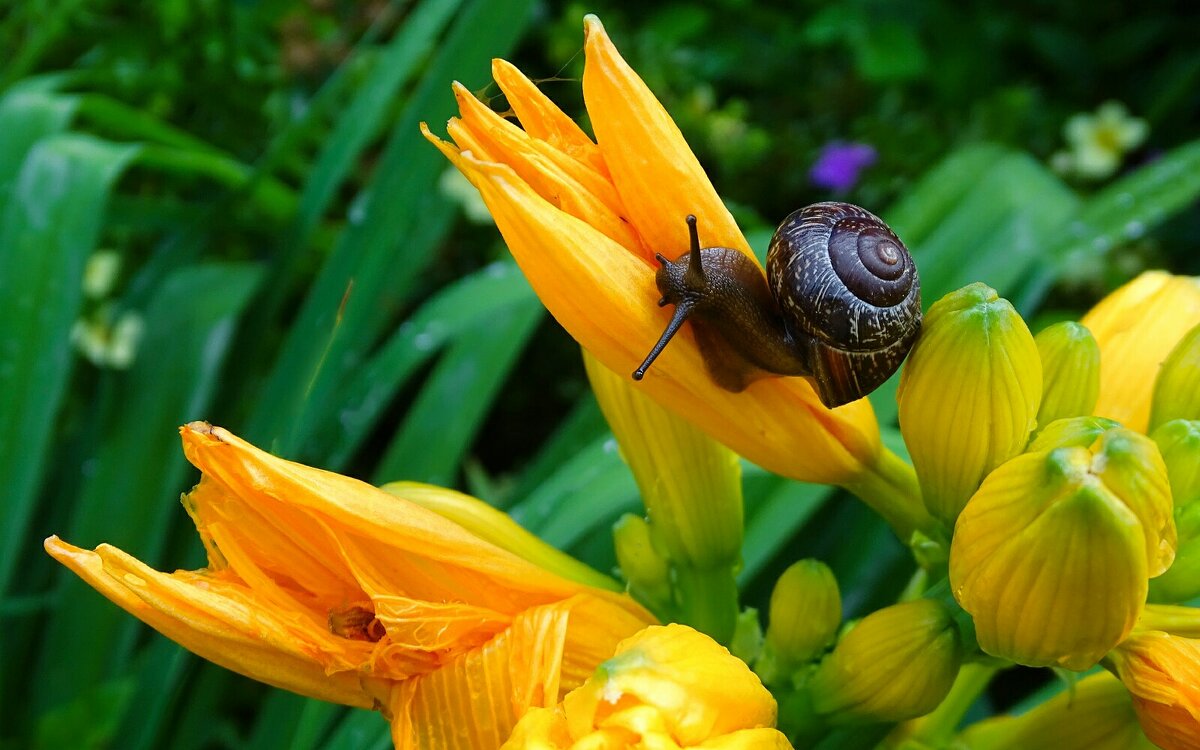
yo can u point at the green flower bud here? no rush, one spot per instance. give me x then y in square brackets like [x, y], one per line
[1053, 555]
[968, 396]
[645, 570]
[1070, 371]
[1177, 387]
[806, 610]
[1179, 443]
[1075, 432]
[895, 664]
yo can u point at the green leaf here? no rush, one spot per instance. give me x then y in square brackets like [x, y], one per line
[773, 518]
[442, 422]
[48, 227]
[131, 496]
[28, 114]
[361, 730]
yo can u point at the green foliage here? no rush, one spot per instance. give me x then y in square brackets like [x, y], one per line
[302, 280]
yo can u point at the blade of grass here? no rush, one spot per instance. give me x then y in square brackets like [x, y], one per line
[443, 420]
[28, 114]
[361, 730]
[463, 305]
[48, 228]
[130, 497]
[395, 224]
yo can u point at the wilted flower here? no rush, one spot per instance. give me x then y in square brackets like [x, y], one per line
[838, 165]
[666, 688]
[331, 588]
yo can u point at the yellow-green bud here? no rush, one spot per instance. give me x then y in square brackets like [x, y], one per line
[1177, 387]
[1096, 714]
[644, 569]
[1053, 554]
[806, 610]
[1075, 432]
[1179, 443]
[968, 396]
[895, 664]
[1070, 371]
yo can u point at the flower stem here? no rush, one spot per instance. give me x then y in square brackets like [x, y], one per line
[936, 729]
[708, 600]
[890, 488]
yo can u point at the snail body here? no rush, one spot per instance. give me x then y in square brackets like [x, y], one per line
[841, 304]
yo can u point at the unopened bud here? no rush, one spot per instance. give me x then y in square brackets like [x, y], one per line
[1070, 372]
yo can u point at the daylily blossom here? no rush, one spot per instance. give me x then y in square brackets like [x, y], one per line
[329, 587]
[584, 219]
[1162, 673]
[666, 688]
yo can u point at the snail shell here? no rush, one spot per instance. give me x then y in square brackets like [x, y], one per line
[846, 284]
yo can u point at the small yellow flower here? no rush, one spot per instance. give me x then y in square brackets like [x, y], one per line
[897, 663]
[583, 220]
[328, 587]
[1136, 327]
[665, 688]
[1177, 388]
[1096, 714]
[968, 395]
[1070, 372]
[1162, 672]
[1053, 554]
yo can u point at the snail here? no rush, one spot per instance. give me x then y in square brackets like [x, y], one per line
[841, 304]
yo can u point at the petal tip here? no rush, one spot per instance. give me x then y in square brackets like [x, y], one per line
[592, 25]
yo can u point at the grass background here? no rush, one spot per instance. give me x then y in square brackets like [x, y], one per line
[307, 277]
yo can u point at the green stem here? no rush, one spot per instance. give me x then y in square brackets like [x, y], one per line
[935, 729]
[708, 600]
[890, 488]
[1174, 619]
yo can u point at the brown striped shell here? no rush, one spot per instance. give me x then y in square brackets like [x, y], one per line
[848, 289]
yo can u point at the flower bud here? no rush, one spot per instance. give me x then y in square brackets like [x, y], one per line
[645, 570]
[666, 686]
[806, 610]
[1053, 554]
[1177, 387]
[1136, 327]
[895, 664]
[1075, 432]
[968, 396]
[1070, 372]
[1179, 443]
[1162, 672]
[1096, 714]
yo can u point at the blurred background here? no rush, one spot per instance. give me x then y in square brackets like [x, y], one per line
[224, 211]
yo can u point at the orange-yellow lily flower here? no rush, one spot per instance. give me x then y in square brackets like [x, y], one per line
[666, 688]
[1136, 327]
[584, 219]
[1162, 673]
[329, 587]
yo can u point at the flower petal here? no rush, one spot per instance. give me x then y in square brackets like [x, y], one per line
[605, 296]
[1136, 327]
[651, 164]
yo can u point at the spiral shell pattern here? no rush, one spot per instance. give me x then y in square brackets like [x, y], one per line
[847, 286]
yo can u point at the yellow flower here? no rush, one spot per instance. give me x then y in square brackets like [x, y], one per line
[1136, 327]
[897, 663]
[326, 586]
[1053, 554]
[968, 395]
[1096, 714]
[584, 219]
[1162, 672]
[666, 687]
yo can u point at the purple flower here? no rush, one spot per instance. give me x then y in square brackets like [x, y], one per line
[838, 165]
